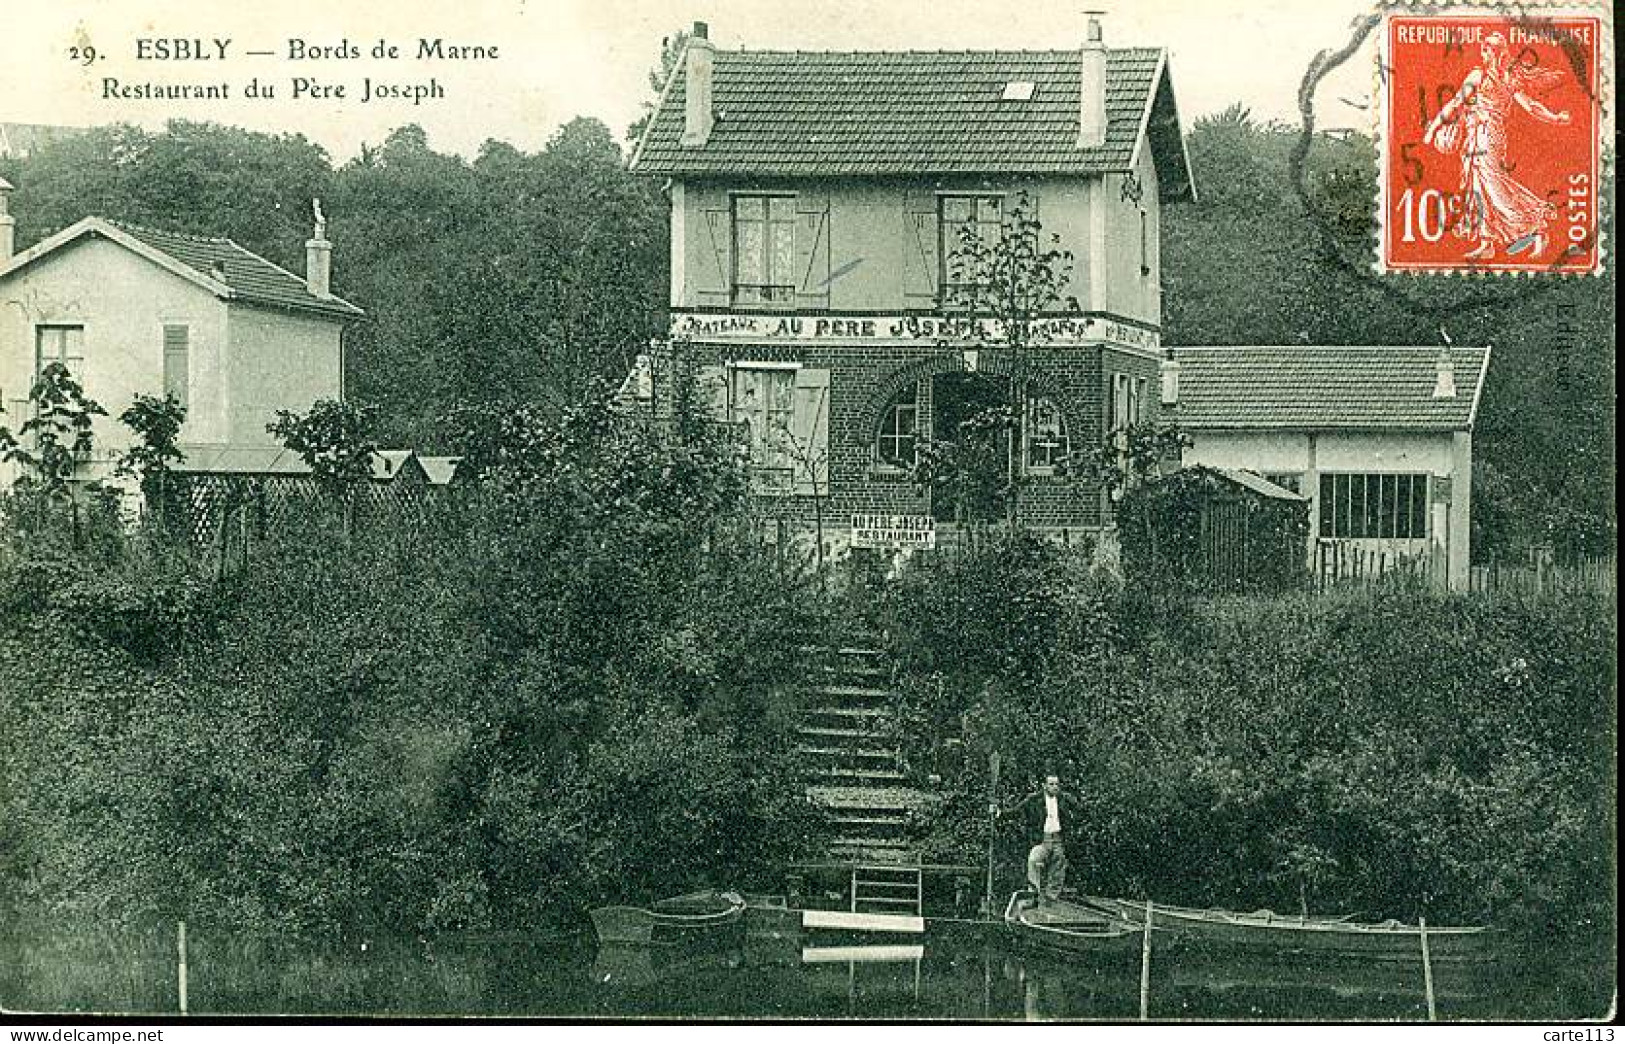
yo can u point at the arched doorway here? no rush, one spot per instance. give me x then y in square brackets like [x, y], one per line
[970, 426]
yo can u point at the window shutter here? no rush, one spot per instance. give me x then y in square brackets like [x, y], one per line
[713, 258]
[711, 393]
[809, 427]
[920, 260]
[812, 250]
[177, 377]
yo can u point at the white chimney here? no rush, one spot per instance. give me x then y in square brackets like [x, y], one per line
[1092, 82]
[8, 224]
[697, 115]
[319, 256]
[1444, 384]
[1170, 382]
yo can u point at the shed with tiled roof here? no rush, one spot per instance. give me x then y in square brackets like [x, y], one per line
[1329, 387]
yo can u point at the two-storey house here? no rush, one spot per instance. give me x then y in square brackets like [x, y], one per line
[138, 311]
[817, 201]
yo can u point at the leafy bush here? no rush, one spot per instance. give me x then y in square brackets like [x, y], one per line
[1389, 756]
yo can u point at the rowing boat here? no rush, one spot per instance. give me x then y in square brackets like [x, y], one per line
[696, 917]
[1284, 933]
[1059, 924]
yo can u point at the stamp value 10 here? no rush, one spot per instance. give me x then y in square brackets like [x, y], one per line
[1491, 143]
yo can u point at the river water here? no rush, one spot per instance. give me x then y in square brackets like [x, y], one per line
[965, 975]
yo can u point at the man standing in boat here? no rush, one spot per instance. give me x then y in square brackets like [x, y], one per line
[1048, 815]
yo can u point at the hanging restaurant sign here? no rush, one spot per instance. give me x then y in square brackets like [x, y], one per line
[894, 531]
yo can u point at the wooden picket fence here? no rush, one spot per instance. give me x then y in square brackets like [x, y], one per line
[1542, 575]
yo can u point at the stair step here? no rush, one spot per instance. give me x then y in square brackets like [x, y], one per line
[849, 752]
[851, 712]
[849, 695]
[851, 773]
[911, 902]
[825, 732]
[870, 848]
[889, 888]
[848, 796]
[875, 819]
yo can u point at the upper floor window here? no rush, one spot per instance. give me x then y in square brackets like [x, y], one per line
[177, 363]
[1380, 507]
[764, 229]
[899, 431]
[63, 344]
[963, 220]
[1044, 435]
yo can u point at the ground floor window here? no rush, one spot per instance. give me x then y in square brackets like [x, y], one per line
[897, 441]
[63, 344]
[1044, 435]
[1381, 507]
[764, 402]
[1127, 407]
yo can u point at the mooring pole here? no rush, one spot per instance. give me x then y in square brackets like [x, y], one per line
[1145, 967]
[180, 949]
[992, 823]
[1427, 970]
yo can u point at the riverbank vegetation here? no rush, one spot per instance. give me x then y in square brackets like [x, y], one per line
[1398, 752]
[565, 688]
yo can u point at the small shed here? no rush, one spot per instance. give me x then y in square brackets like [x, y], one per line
[1220, 529]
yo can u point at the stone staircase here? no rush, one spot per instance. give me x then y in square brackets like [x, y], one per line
[852, 763]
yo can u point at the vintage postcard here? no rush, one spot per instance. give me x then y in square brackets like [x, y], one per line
[837, 511]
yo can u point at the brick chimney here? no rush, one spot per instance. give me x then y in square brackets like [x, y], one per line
[8, 224]
[1444, 382]
[319, 256]
[1092, 81]
[697, 108]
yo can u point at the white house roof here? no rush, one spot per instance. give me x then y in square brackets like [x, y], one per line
[220, 266]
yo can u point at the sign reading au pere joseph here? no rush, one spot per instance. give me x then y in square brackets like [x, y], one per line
[703, 326]
[894, 531]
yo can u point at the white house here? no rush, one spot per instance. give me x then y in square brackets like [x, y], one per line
[1379, 439]
[138, 311]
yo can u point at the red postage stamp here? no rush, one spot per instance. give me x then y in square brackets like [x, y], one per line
[1491, 145]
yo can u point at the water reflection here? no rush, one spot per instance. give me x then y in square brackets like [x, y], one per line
[781, 974]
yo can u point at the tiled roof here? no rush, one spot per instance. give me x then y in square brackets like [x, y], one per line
[1259, 484]
[252, 279]
[1323, 388]
[837, 114]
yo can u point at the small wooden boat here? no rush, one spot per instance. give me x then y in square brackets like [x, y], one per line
[1060, 924]
[1271, 932]
[697, 917]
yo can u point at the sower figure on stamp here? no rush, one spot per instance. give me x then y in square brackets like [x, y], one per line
[1048, 816]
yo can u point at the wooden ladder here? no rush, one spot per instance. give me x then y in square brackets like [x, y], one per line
[887, 889]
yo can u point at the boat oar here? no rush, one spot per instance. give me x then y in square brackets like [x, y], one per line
[992, 821]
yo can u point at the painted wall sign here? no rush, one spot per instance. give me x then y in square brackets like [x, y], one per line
[894, 531]
[826, 329]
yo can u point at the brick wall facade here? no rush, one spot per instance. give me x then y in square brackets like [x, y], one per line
[865, 379]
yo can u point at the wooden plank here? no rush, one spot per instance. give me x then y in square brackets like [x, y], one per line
[841, 954]
[861, 922]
